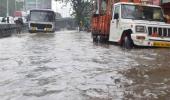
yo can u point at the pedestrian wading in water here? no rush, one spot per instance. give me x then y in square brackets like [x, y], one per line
[19, 24]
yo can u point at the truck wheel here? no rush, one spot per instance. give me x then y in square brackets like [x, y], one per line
[127, 42]
[94, 38]
[30, 31]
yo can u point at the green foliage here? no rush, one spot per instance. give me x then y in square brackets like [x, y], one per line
[82, 10]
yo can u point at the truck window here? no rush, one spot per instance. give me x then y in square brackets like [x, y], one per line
[128, 11]
[116, 10]
[156, 14]
[138, 12]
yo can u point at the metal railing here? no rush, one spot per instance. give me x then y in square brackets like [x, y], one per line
[8, 29]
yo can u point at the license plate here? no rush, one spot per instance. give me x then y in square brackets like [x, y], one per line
[161, 44]
[47, 29]
[33, 28]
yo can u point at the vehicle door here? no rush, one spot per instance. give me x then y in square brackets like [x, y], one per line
[115, 24]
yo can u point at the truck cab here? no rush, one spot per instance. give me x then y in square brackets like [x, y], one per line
[138, 24]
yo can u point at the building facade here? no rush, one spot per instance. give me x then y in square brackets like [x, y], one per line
[37, 4]
[4, 10]
[165, 1]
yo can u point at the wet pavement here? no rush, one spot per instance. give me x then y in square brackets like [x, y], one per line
[67, 65]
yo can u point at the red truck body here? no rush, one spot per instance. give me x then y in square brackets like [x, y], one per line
[101, 25]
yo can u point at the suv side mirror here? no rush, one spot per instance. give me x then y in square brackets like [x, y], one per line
[165, 19]
[116, 16]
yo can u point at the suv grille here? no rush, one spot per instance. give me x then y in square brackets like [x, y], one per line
[162, 32]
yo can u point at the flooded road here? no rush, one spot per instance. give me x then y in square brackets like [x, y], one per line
[67, 65]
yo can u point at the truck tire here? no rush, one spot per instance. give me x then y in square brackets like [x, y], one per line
[30, 31]
[94, 38]
[127, 42]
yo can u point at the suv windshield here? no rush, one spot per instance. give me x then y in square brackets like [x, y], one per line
[138, 12]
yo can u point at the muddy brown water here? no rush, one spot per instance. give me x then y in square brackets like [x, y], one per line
[67, 65]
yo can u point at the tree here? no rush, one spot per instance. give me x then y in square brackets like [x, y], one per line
[82, 10]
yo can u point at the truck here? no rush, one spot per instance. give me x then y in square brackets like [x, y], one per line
[130, 24]
[41, 20]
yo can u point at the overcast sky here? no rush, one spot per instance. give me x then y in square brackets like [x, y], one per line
[58, 7]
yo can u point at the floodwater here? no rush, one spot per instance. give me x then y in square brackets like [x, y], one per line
[67, 65]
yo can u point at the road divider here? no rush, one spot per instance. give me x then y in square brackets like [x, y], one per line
[8, 29]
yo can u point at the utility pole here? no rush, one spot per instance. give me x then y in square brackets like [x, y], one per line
[7, 13]
[24, 7]
[15, 5]
[36, 4]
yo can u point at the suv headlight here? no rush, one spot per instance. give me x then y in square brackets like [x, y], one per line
[140, 28]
